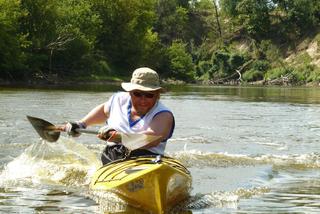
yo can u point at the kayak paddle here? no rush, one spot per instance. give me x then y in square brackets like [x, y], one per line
[51, 133]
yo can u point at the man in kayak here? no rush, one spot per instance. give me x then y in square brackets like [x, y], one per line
[135, 111]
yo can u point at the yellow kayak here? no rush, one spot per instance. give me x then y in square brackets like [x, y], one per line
[151, 183]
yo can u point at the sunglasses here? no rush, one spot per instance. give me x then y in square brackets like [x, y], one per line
[140, 94]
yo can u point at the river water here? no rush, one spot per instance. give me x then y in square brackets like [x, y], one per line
[249, 150]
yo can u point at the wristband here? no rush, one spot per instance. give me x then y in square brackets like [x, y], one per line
[82, 125]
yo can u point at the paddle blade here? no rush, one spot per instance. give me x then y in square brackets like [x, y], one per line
[45, 129]
[136, 141]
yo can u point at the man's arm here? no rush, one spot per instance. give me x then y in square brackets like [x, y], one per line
[97, 115]
[161, 125]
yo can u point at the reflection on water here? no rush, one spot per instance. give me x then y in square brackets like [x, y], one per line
[302, 95]
[296, 192]
[249, 149]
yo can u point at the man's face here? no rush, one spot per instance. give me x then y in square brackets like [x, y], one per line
[143, 101]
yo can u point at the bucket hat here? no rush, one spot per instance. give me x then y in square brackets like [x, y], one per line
[143, 79]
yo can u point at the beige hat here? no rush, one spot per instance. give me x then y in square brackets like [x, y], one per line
[143, 79]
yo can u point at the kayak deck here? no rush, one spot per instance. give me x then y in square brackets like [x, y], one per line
[151, 183]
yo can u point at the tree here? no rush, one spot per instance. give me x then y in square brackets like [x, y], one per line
[297, 16]
[254, 16]
[39, 24]
[217, 17]
[125, 31]
[11, 41]
[77, 28]
[61, 35]
[172, 20]
[181, 66]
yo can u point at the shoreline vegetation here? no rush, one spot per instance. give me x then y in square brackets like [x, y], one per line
[203, 42]
[116, 82]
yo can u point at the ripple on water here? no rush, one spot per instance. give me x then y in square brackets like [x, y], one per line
[195, 158]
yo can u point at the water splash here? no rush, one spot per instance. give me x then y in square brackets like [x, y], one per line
[65, 163]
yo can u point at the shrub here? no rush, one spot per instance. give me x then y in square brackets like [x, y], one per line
[314, 76]
[180, 61]
[202, 68]
[225, 63]
[252, 75]
[236, 60]
[306, 73]
[276, 73]
[261, 65]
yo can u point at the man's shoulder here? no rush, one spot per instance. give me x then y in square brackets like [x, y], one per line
[163, 110]
[121, 97]
[162, 107]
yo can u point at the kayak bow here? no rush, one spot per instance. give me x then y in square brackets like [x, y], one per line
[151, 183]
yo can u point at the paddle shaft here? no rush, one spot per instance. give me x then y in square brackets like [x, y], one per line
[86, 131]
[131, 141]
[51, 133]
[58, 129]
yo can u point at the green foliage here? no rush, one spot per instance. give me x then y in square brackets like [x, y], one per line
[300, 15]
[225, 63]
[154, 52]
[39, 26]
[11, 58]
[180, 61]
[261, 65]
[275, 73]
[314, 75]
[271, 52]
[78, 18]
[172, 20]
[98, 38]
[256, 71]
[220, 62]
[305, 73]
[252, 75]
[229, 7]
[124, 34]
[200, 23]
[78, 26]
[203, 69]
[92, 65]
[258, 23]
[40, 22]
[303, 59]
[70, 59]
[236, 61]
[11, 55]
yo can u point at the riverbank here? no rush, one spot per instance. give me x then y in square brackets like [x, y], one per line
[77, 84]
[63, 85]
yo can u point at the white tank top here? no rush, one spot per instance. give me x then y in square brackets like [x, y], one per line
[119, 118]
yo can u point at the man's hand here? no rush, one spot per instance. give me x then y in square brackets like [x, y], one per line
[106, 132]
[71, 128]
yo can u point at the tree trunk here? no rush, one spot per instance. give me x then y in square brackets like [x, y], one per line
[217, 18]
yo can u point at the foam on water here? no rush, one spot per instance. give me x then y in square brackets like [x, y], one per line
[218, 199]
[193, 158]
[192, 139]
[108, 201]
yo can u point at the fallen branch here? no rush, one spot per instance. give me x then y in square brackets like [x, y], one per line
[238, 72]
